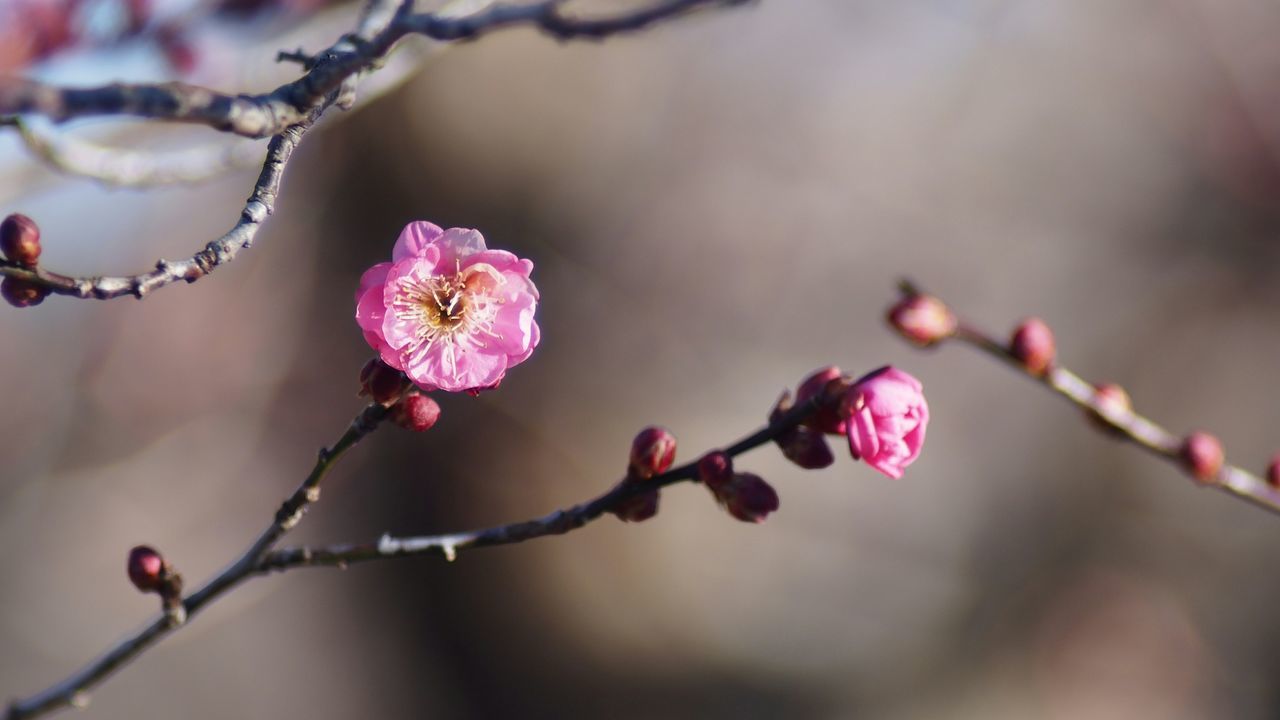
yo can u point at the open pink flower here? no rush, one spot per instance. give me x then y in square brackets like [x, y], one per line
[887, 415]
[450, 313]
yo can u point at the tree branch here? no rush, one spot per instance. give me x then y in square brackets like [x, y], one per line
[1118, 420]
[72, 692]
[270, 113]
[260, 559]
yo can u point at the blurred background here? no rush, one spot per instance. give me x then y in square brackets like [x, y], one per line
[715, 208]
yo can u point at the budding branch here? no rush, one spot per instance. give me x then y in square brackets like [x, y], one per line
[261, 559]
[1128, 424]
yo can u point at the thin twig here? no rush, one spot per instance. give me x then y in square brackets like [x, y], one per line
[1125, 423]
[270, 113]
[73, 691]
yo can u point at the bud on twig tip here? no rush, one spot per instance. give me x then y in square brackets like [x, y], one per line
[1273, 471]
[653, 451]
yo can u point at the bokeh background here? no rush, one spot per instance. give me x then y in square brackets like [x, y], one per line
[715, 208]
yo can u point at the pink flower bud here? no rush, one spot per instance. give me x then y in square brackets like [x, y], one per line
[381, 382]
[1033, 346]
[637, 508]
[1273, 471]
[415, 412]
[1112, 402]
[887, 416]
[22, 293]
[146, 569]
[922, 319]
[1202, 456]
[824, 384]
[20, 239]
[715, 469]
[747, 497]
[652, 453]
[802, 445]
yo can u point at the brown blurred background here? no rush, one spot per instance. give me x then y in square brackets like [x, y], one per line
[715, 208]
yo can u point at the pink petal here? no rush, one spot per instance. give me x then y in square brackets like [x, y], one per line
[863, 442]
[414, 240]
[376, 275]
[456, 244]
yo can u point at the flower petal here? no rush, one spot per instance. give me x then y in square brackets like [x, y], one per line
[414, 240]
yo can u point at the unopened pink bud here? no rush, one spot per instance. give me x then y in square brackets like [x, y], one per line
[1033, 346]
[887, 418]
[747, 497]
[415, 412]
[1202, 456]
[20, 239]
[802, 445]
[922, 319]
[652, 453]
[715, 469]
[637, 508]
[146, 569]
[1111, 402]
[1273, 471]
[381, 382]
[826, 384]
[22, 293]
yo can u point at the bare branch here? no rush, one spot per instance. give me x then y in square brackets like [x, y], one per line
[1118, 420]
[270, 113]
[73, 691]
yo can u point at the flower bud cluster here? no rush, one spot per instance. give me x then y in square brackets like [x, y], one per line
[20, 244]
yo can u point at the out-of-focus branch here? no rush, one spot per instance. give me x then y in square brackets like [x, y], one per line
[925, 320]
[116, 167]
[72, 692]
[269, 113]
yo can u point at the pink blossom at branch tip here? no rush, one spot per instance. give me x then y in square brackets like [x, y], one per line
[447, 311]
[1202, 457]
[1032, 345]
[887, 416]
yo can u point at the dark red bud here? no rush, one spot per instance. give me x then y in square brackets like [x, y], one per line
[146, 569]
[381, 382]
[1273, 471]
[1202, 456]
[1033, 346]
[748, 498]
[20, 239]
[826, 384]
[22, 293]
[715, 469]
[652, 453]
[415, 412]
[802, 445]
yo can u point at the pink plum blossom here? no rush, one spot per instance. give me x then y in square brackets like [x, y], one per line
[887, 415]
[447, 311]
